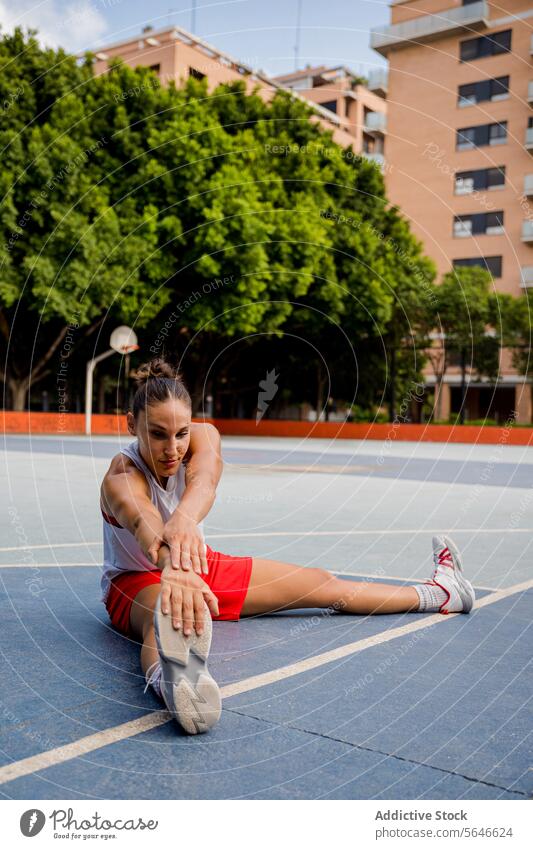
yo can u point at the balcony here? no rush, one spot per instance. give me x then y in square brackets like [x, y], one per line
[377, 158]
[375, 122]
[378, 81]
[428, 27]
[529, 138]
[527, 231]
[527, 276]
[528, 185]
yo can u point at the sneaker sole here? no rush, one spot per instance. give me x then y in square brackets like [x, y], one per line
[465, 588]
[189, 691]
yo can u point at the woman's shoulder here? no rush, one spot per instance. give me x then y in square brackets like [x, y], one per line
[121, 464]
[122, 476]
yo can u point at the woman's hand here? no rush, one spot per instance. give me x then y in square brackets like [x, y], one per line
[184, 539]
[183, 595]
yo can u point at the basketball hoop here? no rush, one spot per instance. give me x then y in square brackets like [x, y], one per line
[123, 341]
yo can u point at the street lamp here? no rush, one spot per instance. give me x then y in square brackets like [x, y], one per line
[123, 340]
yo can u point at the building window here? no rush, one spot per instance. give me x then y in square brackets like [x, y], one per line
[495, 177]
[462, 226]
[498, 133]
[466, 138]
[464, 183]
[485, 45]
[329, 104]
[155, 68]
[470, 137]
[491, 263]
[484, 178]
[196, 75]
[496, 89]
[478, 224]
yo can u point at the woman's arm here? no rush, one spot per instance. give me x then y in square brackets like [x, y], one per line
[183, 595]
[125, 495]
[202, 474]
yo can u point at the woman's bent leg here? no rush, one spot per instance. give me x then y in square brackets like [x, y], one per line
[142, 624]
[282, 586]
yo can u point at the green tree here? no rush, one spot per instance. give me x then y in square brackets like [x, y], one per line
[513, 318]
[462, 314]
[70, 251]
[214, 216]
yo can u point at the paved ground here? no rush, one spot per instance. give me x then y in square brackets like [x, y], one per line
[408, 706]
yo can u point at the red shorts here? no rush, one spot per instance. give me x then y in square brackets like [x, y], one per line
[228, 578]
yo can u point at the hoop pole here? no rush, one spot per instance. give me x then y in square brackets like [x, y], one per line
[91, 365]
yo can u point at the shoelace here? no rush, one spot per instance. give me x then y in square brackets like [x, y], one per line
[152, 673]
[443, 558]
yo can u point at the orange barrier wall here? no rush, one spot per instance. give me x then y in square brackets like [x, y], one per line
[60, 423]
[74, 423]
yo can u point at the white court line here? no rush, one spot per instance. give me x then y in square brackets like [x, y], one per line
[26, 766]
[46, 565]
[411, 578]
[374, 531]
[49, 545]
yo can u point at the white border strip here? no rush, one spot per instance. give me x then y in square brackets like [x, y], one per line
[27, 766]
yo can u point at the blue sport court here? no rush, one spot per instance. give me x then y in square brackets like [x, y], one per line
[317, 705]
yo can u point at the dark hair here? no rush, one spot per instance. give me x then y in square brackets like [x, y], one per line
[156, 381]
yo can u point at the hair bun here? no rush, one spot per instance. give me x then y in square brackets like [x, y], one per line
[156, 369]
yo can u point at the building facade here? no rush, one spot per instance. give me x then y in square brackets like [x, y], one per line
[175, 55]
[361, 108]
[460, 142]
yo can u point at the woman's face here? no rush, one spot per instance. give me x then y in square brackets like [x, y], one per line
[163, 431]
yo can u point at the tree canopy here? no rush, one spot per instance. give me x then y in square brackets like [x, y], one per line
[209, 221]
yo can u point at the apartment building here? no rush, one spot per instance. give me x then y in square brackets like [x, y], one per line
[175, 55]
[460, 139]
[361, 107]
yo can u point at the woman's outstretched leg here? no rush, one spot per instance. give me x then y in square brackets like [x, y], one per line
[281, 586]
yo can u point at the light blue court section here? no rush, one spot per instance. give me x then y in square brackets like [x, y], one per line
[363, 523]
[440, 713]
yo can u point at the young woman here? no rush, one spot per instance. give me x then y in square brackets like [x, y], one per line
[161, 583]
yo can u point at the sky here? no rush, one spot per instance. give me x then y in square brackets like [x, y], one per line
[260, 33]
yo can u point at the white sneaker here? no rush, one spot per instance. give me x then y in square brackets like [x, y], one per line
[188, 690]
[448, 575]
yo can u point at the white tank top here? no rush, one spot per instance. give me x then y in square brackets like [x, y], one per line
[122, 553]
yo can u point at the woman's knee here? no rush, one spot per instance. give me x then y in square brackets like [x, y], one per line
[326, 584]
